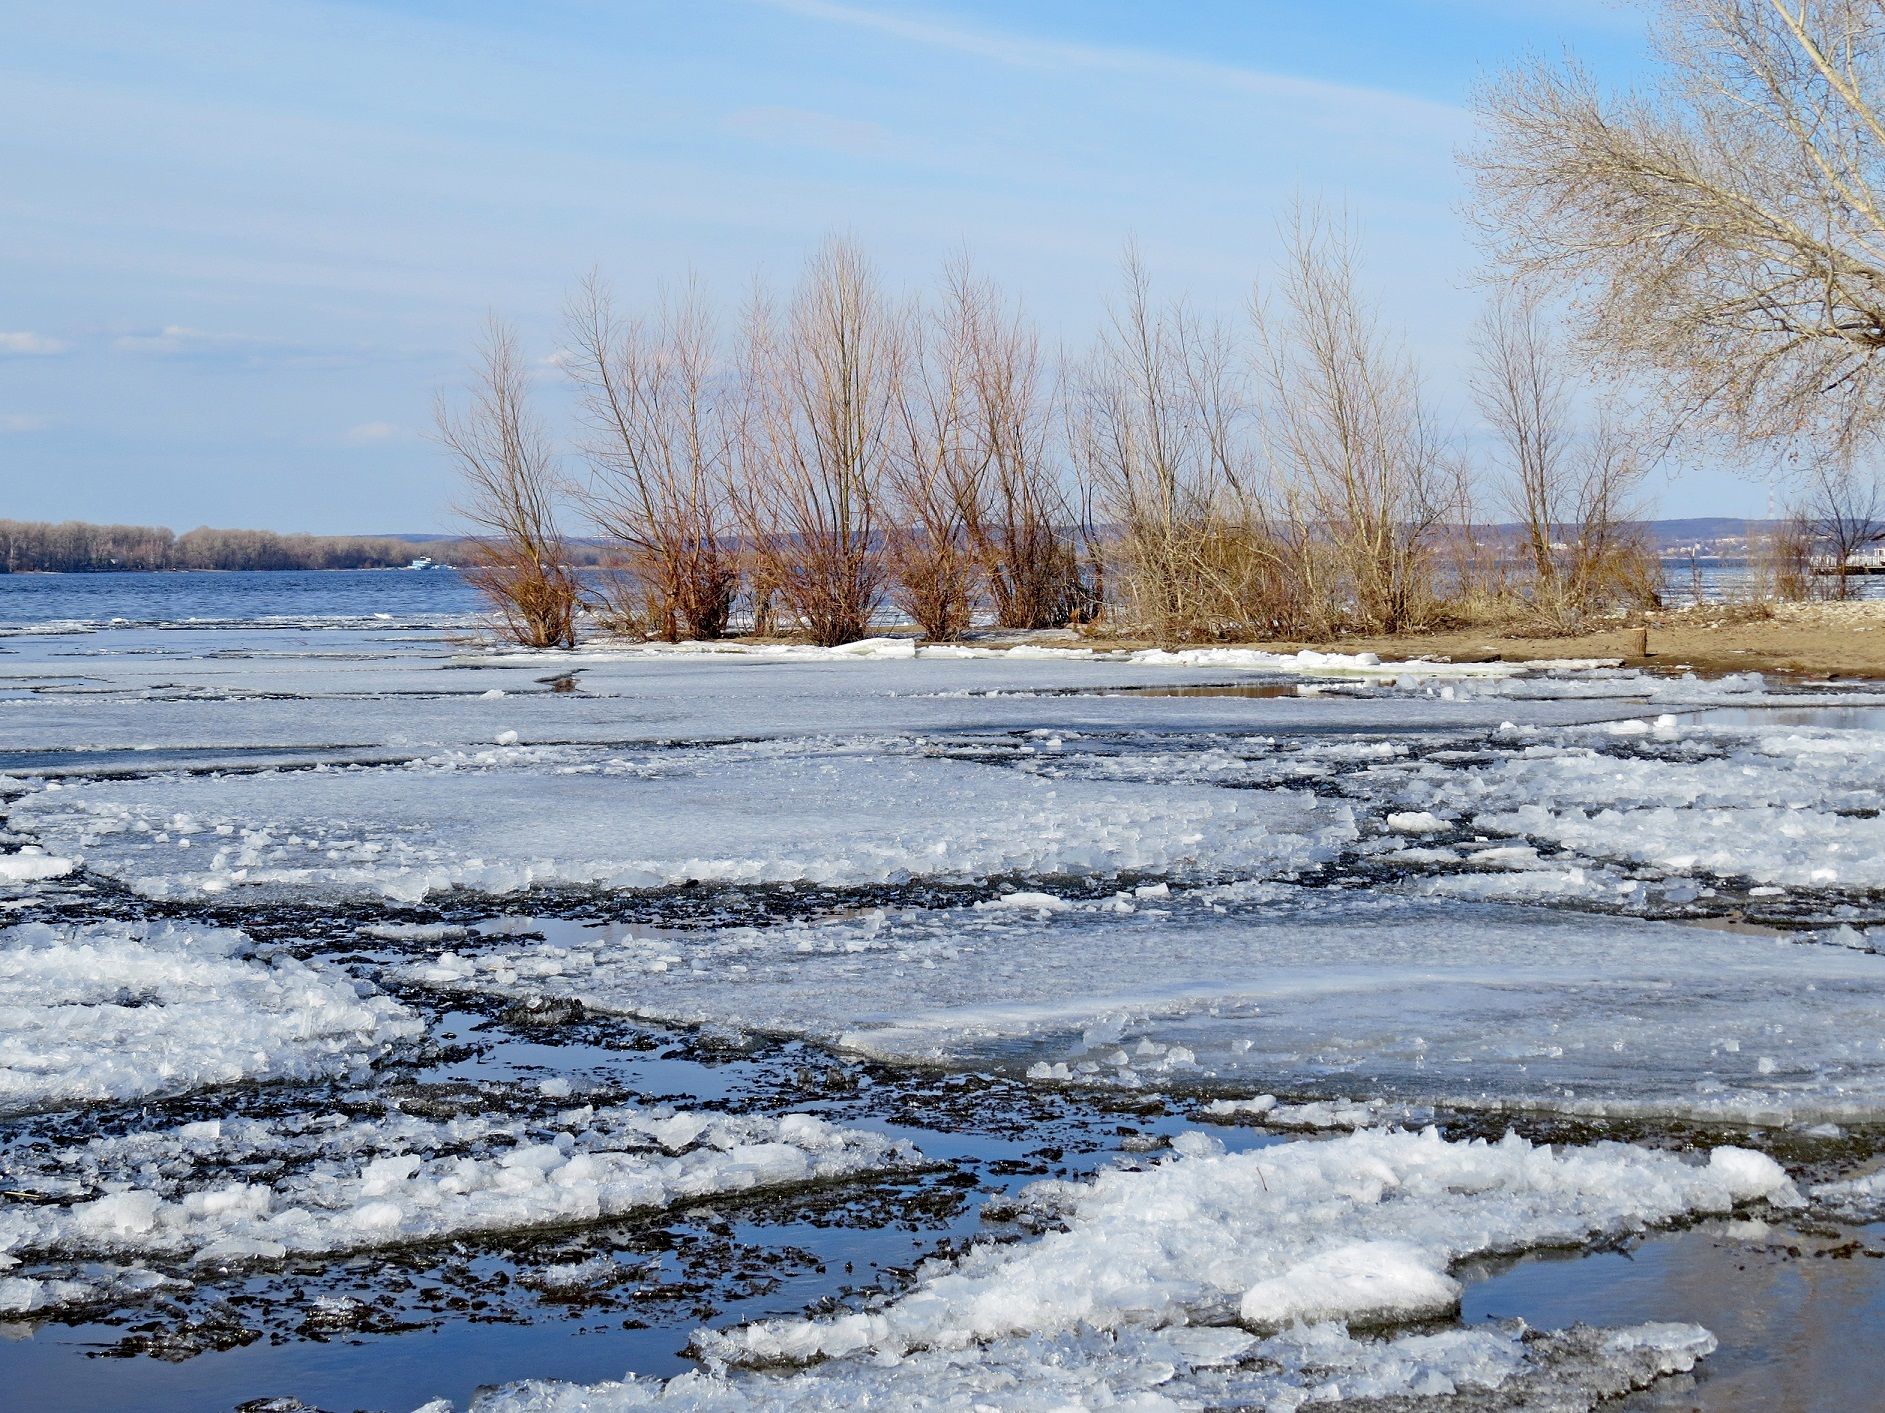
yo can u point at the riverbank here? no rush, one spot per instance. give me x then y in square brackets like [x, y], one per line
[1810, 640]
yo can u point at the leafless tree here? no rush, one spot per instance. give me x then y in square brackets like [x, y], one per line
[931, 472]
[1570, 487]
[508, 470]
[1019, 518]
[1156, 428]
[1348, 427]
[1723, 227]
[659, 455]
[1844, 511]
[815, 428]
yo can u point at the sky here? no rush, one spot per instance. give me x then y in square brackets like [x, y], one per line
[248, 242]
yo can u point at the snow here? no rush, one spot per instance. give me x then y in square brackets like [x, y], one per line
[131, 1010]
[215, 1191]
[32, 865]
[1360, 1228]
[1177, 1370]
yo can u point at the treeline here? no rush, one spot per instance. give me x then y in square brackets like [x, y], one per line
[73, 547]
[1187, 478]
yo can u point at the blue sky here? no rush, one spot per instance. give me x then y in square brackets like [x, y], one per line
[247, 240]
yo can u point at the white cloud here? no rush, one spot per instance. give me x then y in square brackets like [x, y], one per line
[368, 432]
[23, 344]
[23, 422]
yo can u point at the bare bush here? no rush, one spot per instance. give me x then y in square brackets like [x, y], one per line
[1780, 567]
[931, 474]
[1723, 227]
[508, 470]
[1155, 429]
[1570, 487]
[659, 457]
[1018, 520]
[1368, 474]
[813, 440]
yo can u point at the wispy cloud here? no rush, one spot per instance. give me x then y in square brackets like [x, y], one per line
[802, 127]
[369, 432]
[175, 339]
[22, 344]
[1025, 51]
[23, 422]
[181, 342]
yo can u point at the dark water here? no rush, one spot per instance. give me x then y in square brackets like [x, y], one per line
[293, 598]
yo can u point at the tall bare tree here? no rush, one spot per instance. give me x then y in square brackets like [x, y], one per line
[931, 472]
[814, 437]
[1724, 227]
[508, 470]
[1155, 429]
[1570, 481]
[1019, 519]
[659, 453]
[1348, 426]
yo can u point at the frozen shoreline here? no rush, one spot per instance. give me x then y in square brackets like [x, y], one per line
[721, 917]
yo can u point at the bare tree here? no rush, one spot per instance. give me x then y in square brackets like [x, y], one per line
[1155, 427]
[931, 473]
[1019, 518]
[508, 469]
[1571, 487]
[659, 454]
[813, 440]
[1348, 427]
[1844, 511]
[1723, 228]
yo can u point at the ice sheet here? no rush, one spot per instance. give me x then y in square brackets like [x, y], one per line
[1241, 990]
[830, 816]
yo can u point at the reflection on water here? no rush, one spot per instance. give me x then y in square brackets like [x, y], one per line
[1801, 1319]
[1835, 718]
[1265, 691]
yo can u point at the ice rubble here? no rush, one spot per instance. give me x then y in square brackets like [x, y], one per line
[1358, 993]
[1179, 1370]
[327, 1184]
[1359, 1228]
[32, 865]
[1789, 807]
[129, 1010]
[832, 818]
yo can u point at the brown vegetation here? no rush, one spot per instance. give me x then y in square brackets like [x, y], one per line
[813, 441]
[658, 449]
[508, 471]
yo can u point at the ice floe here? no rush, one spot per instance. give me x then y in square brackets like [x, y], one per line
[131, 1010]
[242, 1189]
[837, 818]
[1176, 1370]
[1354, 994]
[1363, 1228]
